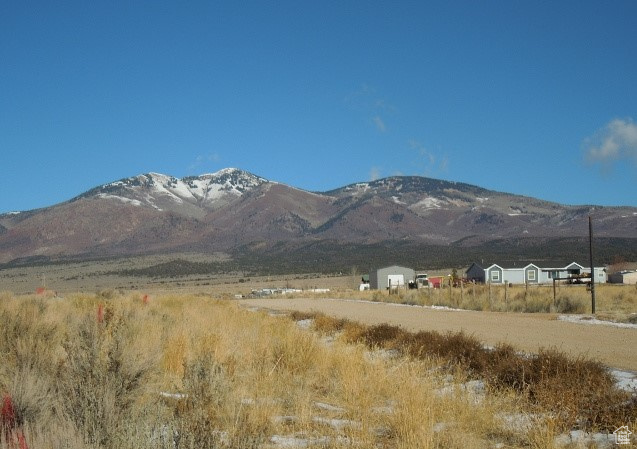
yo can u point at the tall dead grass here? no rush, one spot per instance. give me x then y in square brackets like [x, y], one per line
[576, 392]
[192, 372]
[618, 302]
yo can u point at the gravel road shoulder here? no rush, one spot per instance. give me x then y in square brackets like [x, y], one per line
[613, 346]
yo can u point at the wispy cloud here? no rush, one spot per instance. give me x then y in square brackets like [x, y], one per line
[380, 124]
[369, 102]
[616, 141]
[203, 160]
[374, 173]
[431, 163]
[367, 98]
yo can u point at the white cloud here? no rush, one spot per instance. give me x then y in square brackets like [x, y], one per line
[616, 141]
[379, 124]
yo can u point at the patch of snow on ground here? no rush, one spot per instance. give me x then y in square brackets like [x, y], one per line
[625, 380]
[583, 439]
[475, 389]
[587, 319]
[161, 189]
[305, 324]
[329, 407]
[397, 200]
[337, 424]
[165, 394]
[182, 190]
[218, 191]
[119, 198]
[429, 203]
[300, 441]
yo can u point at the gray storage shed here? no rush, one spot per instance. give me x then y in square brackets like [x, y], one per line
[623, 277]
[379, 279]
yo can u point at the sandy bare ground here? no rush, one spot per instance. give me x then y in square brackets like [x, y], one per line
[615, 347]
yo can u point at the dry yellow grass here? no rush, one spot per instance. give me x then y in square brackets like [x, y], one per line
[613, 301]
[195, 372]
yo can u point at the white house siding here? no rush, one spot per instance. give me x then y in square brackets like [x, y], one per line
[531, 273]
[600, 275]
[513, 275]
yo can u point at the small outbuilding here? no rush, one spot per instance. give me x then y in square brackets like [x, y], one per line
[394, 276]
[623, 277]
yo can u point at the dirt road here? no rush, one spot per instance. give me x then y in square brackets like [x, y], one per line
[613, 346]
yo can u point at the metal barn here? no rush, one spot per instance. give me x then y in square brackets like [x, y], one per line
[394, 276]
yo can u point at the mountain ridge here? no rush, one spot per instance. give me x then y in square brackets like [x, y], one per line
[232, 209]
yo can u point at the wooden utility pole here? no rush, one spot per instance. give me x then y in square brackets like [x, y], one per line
[590, 250]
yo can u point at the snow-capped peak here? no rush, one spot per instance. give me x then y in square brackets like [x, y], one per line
[158, 190]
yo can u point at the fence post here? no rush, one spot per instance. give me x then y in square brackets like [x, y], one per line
[554, 293]
[506, 296]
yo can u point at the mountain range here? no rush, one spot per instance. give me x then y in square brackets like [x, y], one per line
[237, 212]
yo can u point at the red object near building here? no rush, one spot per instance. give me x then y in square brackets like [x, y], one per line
[436, 281]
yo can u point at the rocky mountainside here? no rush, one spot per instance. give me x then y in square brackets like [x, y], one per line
[234, 210]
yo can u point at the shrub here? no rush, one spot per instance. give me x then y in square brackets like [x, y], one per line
[380, 335]
[103, 374]
[570, 304]
[199, 416]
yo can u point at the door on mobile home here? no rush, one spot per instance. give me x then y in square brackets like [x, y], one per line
[395, 280]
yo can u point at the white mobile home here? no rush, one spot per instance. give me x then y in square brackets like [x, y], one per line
[530, 273]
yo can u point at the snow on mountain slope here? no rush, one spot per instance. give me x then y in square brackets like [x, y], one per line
[194, 195]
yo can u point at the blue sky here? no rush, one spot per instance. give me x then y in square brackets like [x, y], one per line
[530, 97]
